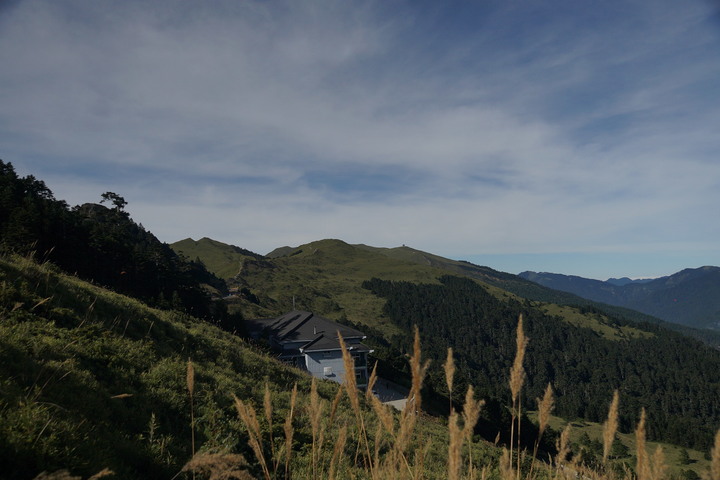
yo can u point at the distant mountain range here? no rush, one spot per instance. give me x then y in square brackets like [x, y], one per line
[690, 297]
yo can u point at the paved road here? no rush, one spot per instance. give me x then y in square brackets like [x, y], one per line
[391, 393]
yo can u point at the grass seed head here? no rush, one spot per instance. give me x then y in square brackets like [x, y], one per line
[545, 407]
[715, 458]
[471, 412]
[371, 382]
[219, 466]
[563, 446]
[350, 382]
[454, 447]
[659, 468]
[610, 426]
[190, 377]
[643, 463]
[517, 374]
[449, 369]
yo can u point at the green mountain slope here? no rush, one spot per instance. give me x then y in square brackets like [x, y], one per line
[223, 260]
[326, 277]
[540, 288]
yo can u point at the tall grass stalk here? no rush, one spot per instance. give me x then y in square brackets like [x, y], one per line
[563, 446]
[315, 412]
[517, 378]
[658, 468]
[715, 459]
[643, 463]
[337, 451]
[471, 414]
[506, 466]
[449, 368]
[249, 418]
[268, 408]
[350, 384]
[545, 406]
[371, 382]
[288, 429]
[610, 426]
[190, 381]
[413, 404]
[454, 446]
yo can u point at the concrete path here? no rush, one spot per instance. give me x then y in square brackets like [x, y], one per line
[391, 393]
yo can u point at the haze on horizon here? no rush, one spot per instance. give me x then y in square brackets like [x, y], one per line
[546, 136]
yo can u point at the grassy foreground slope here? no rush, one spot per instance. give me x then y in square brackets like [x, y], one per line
[90, 379]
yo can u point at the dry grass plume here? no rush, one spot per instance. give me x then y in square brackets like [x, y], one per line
[611, 425]
[715, 458]
[449, 368]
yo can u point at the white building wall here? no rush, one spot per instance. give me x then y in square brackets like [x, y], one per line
[317, 362]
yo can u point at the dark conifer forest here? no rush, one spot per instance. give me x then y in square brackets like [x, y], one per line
[101, 244]
[676, 379]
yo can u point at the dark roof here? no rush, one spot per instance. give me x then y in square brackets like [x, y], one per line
[301, 326]
[297, 326]
[324, 343]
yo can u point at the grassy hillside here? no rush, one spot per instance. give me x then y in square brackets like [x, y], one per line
[537, 291]
[327, 276]
[346, 266]
[223, 260]
[90, 379]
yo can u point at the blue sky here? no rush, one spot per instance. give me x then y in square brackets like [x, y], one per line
[565, 136]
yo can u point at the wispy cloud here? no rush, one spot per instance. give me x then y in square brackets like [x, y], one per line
[459, 128]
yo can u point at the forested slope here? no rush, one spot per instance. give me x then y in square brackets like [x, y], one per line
[102, 245]
[675, 378]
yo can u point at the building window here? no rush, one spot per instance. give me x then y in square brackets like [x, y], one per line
[360, 359]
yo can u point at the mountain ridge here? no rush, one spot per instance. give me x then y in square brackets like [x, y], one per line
[689, 297]
[510, 283]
